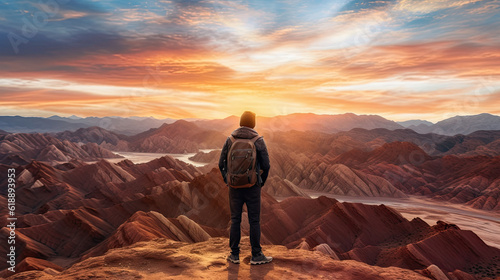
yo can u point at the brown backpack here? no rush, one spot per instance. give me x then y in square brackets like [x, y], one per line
[241, 163]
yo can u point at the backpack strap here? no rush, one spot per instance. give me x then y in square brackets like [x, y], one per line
[255, 139]
[232, 139]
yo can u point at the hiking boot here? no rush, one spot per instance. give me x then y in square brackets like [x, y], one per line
[233, 258]
[260, 259]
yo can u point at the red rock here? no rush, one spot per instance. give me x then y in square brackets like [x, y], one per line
[76, 232]
[178, 137]
[333, 178]
[397, 153]
[92, 134]
[148, 226]
[212, 156]
[71, 211]
[43, 147]
[435, 273]
[168, 259]
[460, 275]
[325, 249]
[32, 264]
[467, 249]
[277, 187]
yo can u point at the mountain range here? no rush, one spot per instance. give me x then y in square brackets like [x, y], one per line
[299, 121]
[456, 125]
[127, 126]
[359, 162]
[77, 218]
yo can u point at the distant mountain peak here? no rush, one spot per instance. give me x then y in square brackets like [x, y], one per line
[179, 124]
[417, 122]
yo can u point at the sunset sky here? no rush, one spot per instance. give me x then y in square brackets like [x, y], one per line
[210, 59]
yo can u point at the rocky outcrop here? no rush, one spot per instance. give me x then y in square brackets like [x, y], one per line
[435, 273]
[325, 249]
[72, 164]
[277, 187]
[212, 156]
[151, 225]
[165, 258]
[30, 263]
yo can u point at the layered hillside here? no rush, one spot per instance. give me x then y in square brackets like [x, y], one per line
[178, 137]
[92, 134]
[471, 180]
[389, 169]
[80, 213]
[431, 143]
[75, 212]
[292, 172]
[21, 148]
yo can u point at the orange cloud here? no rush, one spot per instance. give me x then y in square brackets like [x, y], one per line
[213, 59]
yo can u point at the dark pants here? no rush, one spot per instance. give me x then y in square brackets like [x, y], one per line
[237, 197]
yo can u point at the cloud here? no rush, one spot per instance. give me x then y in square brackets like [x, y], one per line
[429, 6]
[213, 58]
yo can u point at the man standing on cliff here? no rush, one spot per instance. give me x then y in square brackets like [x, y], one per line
[244, 164]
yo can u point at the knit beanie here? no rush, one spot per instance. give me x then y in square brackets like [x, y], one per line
[248, 119]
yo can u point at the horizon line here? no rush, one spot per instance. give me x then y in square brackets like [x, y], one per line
[258, 116]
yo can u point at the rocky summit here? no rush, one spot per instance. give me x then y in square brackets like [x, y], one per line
[167, 259]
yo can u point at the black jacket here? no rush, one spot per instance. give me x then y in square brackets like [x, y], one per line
[262, 155]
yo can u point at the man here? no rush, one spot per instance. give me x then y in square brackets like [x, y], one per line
[246, 195]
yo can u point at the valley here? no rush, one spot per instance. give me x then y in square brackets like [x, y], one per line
[137, 157]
